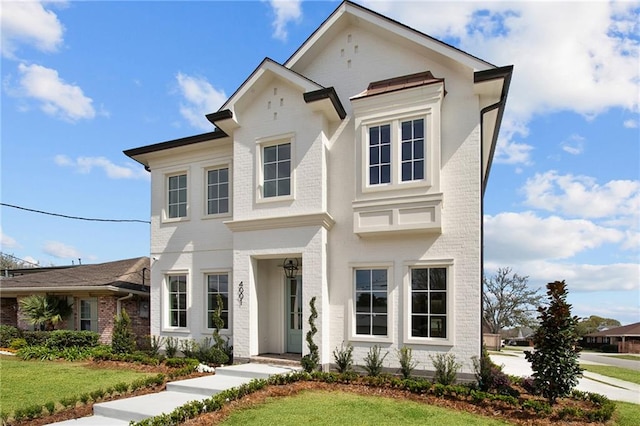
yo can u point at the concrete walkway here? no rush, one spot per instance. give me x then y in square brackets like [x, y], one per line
[514, 363]
[122, 411]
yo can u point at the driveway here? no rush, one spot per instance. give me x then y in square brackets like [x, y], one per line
[514, 363]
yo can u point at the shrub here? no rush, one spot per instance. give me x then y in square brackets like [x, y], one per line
[555, 363]
[36, 338]
[18, 343]
[310, 361]
[154, 344]
[7, 334]
[42, 353]
[121, 387]
[407, 364]
[97, 394]
[60, 339]
[69, 402]
[123, 340]
[50, 407]
[446, 368]
[171, 346]
[373, 362]
[343, 358]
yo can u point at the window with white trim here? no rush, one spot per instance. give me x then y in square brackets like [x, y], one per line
[371, 302]
[217, 284]
[428, 302]
[177, 292]
[218, 191]
[276, 170]
[177, 196]
[396, 152]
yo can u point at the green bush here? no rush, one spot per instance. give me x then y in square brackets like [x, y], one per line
[446, 368]
[41, 353]
[171, 346]
[60, 339]
[407, 364]
[18, 343]
[310, 361]
[373, 362]
[50, 407]
[36, 338]
[343, 358]
[123, 341]
[7, 334]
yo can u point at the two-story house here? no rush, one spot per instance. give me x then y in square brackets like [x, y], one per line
[352, 173]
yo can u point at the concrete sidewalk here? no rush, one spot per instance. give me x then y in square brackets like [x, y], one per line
[514, 363]
[121, 412]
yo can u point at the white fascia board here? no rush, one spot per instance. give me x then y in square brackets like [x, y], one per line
[70, 289]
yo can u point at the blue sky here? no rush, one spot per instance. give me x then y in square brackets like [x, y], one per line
[82, 81]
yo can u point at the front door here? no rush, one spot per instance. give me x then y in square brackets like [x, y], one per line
[294, 315]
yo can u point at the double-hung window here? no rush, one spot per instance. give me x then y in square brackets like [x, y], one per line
[412, 150]
[380, 154]
[218, 191]
[428, 303]
[276, 172]
[371, 297]
[177, 196]
[217, 285]
[177, 291]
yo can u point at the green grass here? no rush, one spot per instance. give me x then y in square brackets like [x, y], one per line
[342, 408]
[500, 353]
[627, 414]
[629, 357]
[25, 383]
[615, 372]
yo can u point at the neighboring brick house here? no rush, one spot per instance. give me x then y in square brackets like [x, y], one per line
[350, 167]
[96, 292]
[626, 337]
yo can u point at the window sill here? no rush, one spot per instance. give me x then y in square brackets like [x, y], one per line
[428, 341]
[176, 219]
[370, 339]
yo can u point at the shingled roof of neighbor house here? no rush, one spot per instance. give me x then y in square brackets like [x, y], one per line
[625, 330]
[127, 274]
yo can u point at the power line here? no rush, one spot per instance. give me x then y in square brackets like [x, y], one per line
[18, 259]
[74, 217]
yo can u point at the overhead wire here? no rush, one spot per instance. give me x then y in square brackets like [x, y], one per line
[73, 217]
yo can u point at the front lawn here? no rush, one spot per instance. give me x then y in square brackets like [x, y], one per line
[25, 383]
[338, 408]
[615, 372]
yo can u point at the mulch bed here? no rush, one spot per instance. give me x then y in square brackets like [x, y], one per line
[494, 410]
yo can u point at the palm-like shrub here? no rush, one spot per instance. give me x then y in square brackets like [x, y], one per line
[44, 311]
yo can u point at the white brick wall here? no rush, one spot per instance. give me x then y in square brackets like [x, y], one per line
[325, 159]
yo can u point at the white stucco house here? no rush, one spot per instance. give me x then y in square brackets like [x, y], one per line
[362, 161]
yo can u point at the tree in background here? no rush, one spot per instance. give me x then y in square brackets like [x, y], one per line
[9, 261]
[507, 300]
[554, 362]
[595, 323]
[123, 341]
[44, 311]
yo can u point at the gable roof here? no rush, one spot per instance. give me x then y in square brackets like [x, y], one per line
[351, 13]
[121, 276]
[625, 330]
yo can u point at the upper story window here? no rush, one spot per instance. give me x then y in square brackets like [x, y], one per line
[412, 150]
[276, 176]
[177, 196]
[379, 154]
[218, 191]
[396, 152]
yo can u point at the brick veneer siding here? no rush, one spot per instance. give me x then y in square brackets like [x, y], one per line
[9, 311]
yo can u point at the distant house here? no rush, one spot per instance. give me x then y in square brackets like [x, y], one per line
[627, 338]
[97, 293]
[348, 175]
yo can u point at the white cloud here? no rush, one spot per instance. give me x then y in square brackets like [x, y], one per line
[85, 165]
[30, 23]
[200, 98]
[61, 250]
[573, 145]
[286, 11]
[567, 56]
[55, 96]
[630, 124]
[7, 242]
[618, 201]
[522, 237]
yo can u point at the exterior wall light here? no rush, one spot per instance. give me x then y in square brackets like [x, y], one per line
[290, 267]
